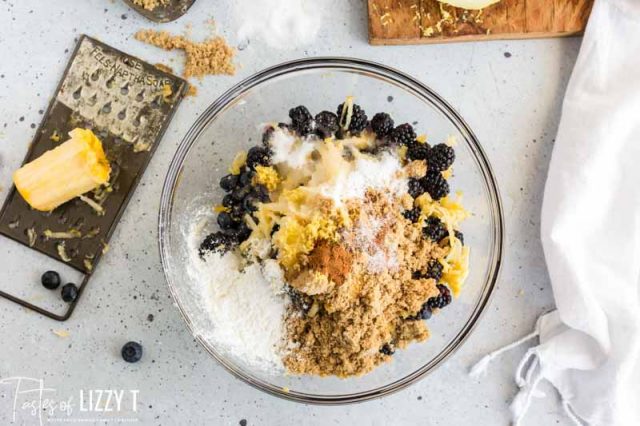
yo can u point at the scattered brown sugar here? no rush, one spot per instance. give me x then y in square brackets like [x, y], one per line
[379, 295]
[150, 4]
[193, 90]
[213, 56]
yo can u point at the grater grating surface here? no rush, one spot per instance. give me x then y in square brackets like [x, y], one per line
[128, 104]
[172, 10]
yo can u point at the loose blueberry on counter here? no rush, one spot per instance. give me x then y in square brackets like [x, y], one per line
[132, 352]
[50, 280]
[229, 182]
[69, 292]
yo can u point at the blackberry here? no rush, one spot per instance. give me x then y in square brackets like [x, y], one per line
[229, 182]
[403, 134]
[358, 118]
[418, 151]
[436, 185]
[69, 292]
[434, 229]
[416, 188]
[50, 280]
[225, 221]
[301, 120]
[441, 300]
[412, 214]
[434, 270]
[382, 124]
[258, 156]
[387, 349]
[424, 313]
[217, 241]
[237, 211]
[441, 157]
[132, 352]
[299, 115]
[459, 235]
[326, 124]
[266, 135]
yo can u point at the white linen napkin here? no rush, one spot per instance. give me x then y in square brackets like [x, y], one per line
[590, 346]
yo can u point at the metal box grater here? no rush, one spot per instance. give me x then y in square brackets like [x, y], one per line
[128, 104]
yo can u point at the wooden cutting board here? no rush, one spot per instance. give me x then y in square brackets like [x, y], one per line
[429, 21]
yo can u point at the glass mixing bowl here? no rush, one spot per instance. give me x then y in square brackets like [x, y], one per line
[232, 123]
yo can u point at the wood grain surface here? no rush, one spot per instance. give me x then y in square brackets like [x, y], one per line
[429, 21]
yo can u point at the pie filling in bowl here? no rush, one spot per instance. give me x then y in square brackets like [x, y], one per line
[311, 255]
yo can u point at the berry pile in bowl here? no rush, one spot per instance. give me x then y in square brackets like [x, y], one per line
[328, 247]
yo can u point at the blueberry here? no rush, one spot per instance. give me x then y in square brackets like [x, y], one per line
[249, 204]
[69, 292]
[243, 232]
[237, 211]
[239, 193]
[228, 201]
[229, 182]
[50, 280]
[261, 193]
[246, 177]
[258, 156]
[225, 221]
[132, 352]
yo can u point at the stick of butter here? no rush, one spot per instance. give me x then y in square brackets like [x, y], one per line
[77, 166]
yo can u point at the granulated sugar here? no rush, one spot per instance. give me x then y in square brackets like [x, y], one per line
[283, 24]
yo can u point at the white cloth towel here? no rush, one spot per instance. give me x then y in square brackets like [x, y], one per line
[589, 347]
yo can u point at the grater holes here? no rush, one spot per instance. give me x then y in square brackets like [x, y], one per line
[140, 96]
[110, 82]
[77, 93]
[157, 102]
[106, 108]
[122, 114]
[124, 90]
[93, 100]
[95, 75]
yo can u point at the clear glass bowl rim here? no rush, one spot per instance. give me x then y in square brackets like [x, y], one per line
[403, 81]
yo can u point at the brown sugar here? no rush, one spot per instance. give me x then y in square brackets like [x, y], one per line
[377, 300]
[213, 56]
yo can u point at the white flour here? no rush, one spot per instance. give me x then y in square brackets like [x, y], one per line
[247, 313]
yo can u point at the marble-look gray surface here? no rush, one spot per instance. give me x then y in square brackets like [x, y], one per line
[510, 93]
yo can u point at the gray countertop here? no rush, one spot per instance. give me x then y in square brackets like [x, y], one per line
[509, 92]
